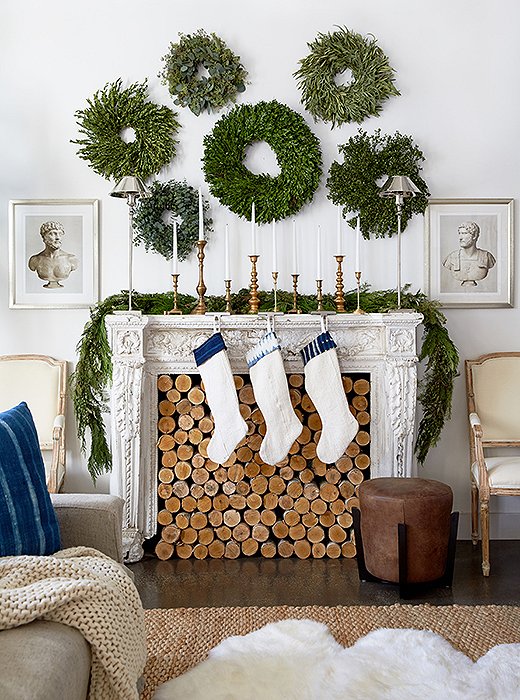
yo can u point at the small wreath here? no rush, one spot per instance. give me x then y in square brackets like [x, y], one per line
[297, 152]
[110, 111]
[226, 75]
[356, 183]
[155, 232]
[331, 54]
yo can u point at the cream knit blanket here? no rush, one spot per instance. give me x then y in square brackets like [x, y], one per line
[83, 588]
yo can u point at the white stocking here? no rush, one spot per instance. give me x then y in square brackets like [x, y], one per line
[325, 388]
[272, 397]
[213, 364]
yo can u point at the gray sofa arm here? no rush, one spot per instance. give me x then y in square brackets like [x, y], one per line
[90, 520]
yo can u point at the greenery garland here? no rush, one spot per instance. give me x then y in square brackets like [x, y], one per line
[94, 369]
[182, 201]
[226, 75]
[356, 183]
[109, 112]
[330, 55]
[297, 152]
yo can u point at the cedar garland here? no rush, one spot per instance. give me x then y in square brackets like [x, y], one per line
[94, 368]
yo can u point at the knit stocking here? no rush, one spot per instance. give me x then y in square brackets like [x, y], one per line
[325, 388]
[213, 364]
[272, 397]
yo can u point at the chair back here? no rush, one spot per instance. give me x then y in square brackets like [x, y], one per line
[493, 392]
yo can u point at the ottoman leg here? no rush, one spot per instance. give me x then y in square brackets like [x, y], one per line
[364, 574]
[447, 579]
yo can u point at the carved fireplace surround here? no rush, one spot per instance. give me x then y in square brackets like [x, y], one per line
[144, 347]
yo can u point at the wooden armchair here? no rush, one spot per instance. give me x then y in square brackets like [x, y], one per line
[40, 381]
[493, 396]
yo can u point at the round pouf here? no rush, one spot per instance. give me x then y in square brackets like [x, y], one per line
[424, 506]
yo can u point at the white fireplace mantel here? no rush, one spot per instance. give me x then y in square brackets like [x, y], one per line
[144, 347]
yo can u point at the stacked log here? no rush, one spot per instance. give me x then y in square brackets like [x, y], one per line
[300, 507]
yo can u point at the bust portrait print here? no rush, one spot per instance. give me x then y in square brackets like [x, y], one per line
[469, 264]
[53, 264]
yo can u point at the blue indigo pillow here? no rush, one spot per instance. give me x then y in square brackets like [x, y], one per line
[28, 523]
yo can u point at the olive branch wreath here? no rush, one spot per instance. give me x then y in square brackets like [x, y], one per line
[330, 55]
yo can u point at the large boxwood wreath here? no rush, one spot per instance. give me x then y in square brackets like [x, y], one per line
[156, 234]
[181, 73]
[109, 112]
[331, 54]
[297, 152]
[356, 183]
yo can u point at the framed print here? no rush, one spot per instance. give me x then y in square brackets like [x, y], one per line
[469, 252]
[53, 253]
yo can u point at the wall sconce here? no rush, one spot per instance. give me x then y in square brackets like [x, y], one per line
[131, 188]
[399, 187]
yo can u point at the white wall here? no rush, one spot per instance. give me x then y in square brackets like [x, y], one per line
[456, 65]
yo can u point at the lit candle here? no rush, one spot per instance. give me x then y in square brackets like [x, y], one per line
[339, 247]
[275, 261]
[318, 255]
[358, 236]
[201, 217]
[227, 276]
[294, 249]
[253, 230]
[175, 261]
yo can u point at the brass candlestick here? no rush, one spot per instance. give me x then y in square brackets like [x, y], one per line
[340, 296]
[229, 310]
[359, 310]
[201, 287]
[275, 290]
[254, 301]
[319, 295]
[295, 309]
[175, 310]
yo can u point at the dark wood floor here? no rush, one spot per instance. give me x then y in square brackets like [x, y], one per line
[266, 582]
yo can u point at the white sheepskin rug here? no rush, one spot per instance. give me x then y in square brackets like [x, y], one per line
[300, 660]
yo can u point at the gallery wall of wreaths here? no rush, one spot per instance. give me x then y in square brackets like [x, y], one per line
[206, 76]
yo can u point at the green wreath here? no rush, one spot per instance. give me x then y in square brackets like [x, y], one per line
[109, 112]
[226, 75]
[331, 54]
[155, 233]
[356, 183]
[297, 152]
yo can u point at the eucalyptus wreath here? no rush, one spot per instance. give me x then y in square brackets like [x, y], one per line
[297, 152]
[356, 183]
[331, 54]
[181, 73]
[154, 229]
[109, 112]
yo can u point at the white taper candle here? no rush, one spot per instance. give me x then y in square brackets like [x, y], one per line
[253, 230]
[201, 217]
[318, 255]
[358, 236]
[275, 260]
[294, 249]
[227, 276]
[175, 259]
[339, 246]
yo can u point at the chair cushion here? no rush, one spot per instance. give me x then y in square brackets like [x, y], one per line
[28, 523]
[504, 472]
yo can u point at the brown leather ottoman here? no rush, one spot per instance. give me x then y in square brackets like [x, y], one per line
[405, 531]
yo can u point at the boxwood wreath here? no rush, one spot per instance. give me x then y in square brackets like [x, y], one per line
[94, 368]
[227, 76]
[109, 112]
[297, 152]
[182, 201]
[331, 54]
[356, 183]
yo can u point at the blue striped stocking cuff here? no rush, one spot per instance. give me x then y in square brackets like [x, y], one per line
[209, 348]
[320, 344]
[269, 343]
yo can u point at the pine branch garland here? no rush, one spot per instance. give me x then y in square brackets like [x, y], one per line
[93, 372]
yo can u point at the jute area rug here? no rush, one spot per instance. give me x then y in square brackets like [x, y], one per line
[180, 638]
